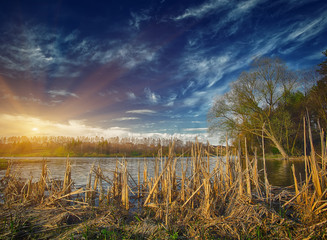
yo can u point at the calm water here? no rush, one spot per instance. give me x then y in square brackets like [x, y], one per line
[279, 171]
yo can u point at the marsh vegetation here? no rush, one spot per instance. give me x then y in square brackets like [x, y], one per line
[228, 200]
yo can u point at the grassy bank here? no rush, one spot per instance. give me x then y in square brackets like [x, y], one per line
[195, 202]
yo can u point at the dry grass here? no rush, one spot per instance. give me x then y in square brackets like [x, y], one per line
[228, 201]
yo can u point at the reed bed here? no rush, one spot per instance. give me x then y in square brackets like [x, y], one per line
[190, 201]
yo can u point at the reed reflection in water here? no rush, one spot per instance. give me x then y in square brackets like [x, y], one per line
[279, 171]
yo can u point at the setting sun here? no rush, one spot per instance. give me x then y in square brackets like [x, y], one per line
[35, 129]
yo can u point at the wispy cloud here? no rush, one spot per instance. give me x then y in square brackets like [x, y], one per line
[39, 50]
[195, 129]
[72, 36]
[171, 100]
[228, 12]
[195, 98]
[24, 52]
[242, 8]
[129, 55]
[139, 17]
[197, 122]
[142, 111]
[318, 54]
[202, 99]
[151, 97]
[209, 69]
[236, 16]
[308, 28]
[131, 95]
[62, 92]
[202, 10]
[125, 118]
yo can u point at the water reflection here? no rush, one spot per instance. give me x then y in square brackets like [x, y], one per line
[279, 171]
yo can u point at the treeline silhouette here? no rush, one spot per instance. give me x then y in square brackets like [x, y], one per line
[91, 146]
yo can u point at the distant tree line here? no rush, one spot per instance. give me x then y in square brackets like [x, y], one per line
[90, 146]
[270, 100]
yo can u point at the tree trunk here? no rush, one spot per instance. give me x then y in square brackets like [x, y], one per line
[278, 146]
[271, 136]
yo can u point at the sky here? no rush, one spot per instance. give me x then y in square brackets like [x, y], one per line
[140, 68]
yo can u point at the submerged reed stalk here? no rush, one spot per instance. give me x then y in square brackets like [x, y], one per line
[88, 186]
[67, 178]
[9, 166]
[124, 186]
[42, 184]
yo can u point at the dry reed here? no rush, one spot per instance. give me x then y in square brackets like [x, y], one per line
[229, 199]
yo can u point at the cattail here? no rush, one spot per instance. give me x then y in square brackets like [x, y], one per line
[67, 178]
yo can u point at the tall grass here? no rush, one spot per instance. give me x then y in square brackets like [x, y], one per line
[228, 200]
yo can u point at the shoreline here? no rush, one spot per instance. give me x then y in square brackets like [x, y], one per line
[228, 202]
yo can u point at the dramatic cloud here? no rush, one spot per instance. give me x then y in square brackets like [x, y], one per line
[39, 50]
[146, 67]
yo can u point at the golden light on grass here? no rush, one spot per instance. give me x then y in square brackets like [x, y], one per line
[228, 201]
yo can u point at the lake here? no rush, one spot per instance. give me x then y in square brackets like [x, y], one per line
[279, 171]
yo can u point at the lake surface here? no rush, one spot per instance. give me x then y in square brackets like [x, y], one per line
[279, 171]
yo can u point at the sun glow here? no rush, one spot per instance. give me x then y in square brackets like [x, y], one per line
[24, 125]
